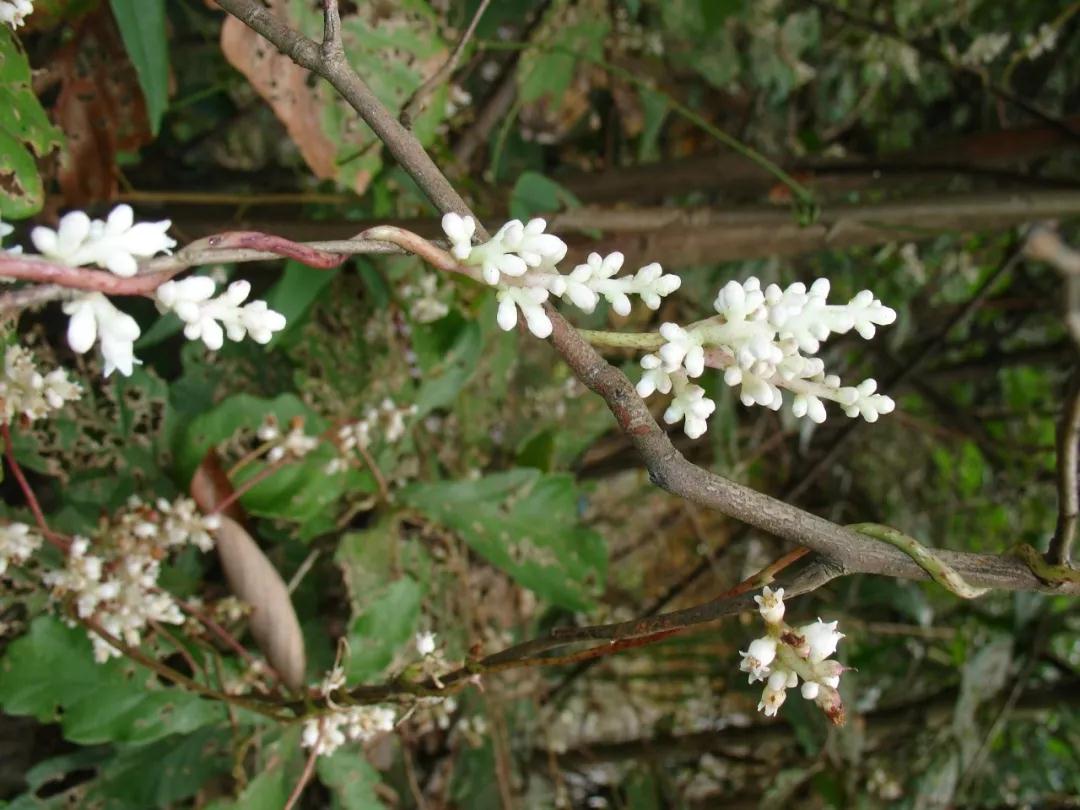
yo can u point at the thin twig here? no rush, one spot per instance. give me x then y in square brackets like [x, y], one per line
[31, 499]
[229, 640]
[246, 487]
[417, 99]
[1068, 457]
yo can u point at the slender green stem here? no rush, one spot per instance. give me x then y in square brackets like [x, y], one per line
[942, 573]
[646, 341]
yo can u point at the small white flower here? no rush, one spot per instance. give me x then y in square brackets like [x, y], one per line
[295, 445]
[683, 349]
[810, 690]
[529, 241]
[653, 378]
[15, 12]
[114, 244]
[530, 300]
[459, 230]
[691, 406]
[771, 604]
[771, 701]
[758, 657]
[425, 643]
[93, 318]
[821, 639]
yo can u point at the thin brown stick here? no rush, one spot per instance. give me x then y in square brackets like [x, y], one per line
[417, 99]
[1068, 459]
[228, 639]
[246, 487]
[180, 648]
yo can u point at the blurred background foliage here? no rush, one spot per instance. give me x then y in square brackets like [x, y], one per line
[927, 131]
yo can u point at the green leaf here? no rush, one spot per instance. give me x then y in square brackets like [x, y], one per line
[25, 133]
[50, 673]
[386, 625]
[535, 194]
[166, 771]
[22, 192]
[351, 778]
[448, 352]
[271, 788]
[527, 524]
[548, 67]
[294, 293]
[142, 27]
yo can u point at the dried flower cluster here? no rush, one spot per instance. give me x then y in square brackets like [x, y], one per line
[763, 340]
[784, 655]
[521, 261]
[386, 422]
[26, 392]
[18, 542]
[114, 579]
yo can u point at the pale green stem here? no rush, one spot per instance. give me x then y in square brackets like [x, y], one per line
[942, 573]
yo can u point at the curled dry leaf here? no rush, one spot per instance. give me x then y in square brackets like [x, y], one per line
[273, 621]
[252, 577]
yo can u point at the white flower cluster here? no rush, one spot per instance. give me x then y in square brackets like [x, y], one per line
[386, 422]
[984, 49]
[18, 542]
[15, 12]
[27, 392]
[93, 319]
[293, 445]
[357, 723]
[117, 584]
[204, 316]
[1042, 41]
[521, 261]
[116, 244]
[113, 244]
[784, 655]
[763, 340]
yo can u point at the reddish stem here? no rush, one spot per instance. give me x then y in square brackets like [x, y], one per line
[31, 499]
[256, 240]
[246, 487]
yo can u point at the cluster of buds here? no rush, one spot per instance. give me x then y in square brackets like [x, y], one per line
[354, 724]
[114, 581]
[204, 316]
[521, 261]
[784, 655]
[26, 392]
[114, 244]
[763, 341]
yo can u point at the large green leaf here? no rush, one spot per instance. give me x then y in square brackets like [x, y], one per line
[548, 67]
[526, 523]
[142, 27]
[50, 673]
[166, 771]
[385, 626]
[25, 133]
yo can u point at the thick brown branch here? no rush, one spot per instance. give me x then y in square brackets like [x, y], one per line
[854, 553]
